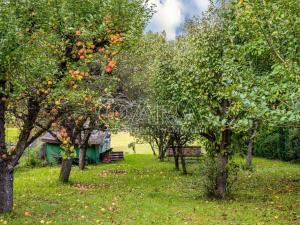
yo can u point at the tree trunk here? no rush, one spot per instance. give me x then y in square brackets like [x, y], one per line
[6, 188]
[2, 125]
[6, 175]
[182, 159]
[221, 179]
[249, 155]
[176, 157]
[82, 156]
[176, 160]
[222, 161]
[65, 171]
[152, 148]
[250, 146]
[161, 148]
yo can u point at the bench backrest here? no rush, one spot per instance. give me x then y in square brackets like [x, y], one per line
[187, 151]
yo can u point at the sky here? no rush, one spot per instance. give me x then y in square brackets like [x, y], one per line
[171, 14]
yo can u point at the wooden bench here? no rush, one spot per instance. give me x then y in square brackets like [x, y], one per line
[116, 156]
[188, 152]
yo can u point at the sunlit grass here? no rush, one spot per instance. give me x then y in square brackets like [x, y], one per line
[142, 190]
[145, 191]
[12, 134]
[121, 140]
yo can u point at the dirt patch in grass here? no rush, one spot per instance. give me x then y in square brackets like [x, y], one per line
[287, 185]
[105, 173]
[86, 187]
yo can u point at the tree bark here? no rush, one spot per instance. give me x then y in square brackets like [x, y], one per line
[250, 146]
[249, 154]
[176, 157]
[182, 159]
[6, 188]
[65, 171]
[6, 174]
[31, 117]
[2, 120]
[222, 161]
[84, 142]
[161, 148]
[152, 148]
[221, 179]
[82, 156]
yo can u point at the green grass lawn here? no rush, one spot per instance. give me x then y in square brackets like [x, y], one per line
[121, 140]
[141, 190]
[12, 134]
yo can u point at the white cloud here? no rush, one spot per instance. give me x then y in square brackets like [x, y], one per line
[170, 14]
[167, 17]
[196, 7]
[202, 4]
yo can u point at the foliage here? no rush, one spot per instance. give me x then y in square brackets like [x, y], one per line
[132, 146]
[31, 158]
[208, 170]
[221, 76]
[268, 39]
[51, 54]
[135, 67]
[53, 62]
[278, 143]
[148, 119]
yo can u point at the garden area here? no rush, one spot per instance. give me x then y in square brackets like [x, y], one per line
[150, 112]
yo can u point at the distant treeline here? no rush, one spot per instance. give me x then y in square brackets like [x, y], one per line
[278, 143]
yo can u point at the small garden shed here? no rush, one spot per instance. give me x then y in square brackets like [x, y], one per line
[96, 146]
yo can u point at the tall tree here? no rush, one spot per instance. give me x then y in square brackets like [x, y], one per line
[47, 47]
[215, 88]
[228, 67]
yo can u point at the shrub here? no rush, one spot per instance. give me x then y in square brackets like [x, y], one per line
[32, 159]
[208, 170]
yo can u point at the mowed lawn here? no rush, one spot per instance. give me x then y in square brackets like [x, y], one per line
[121, 140]
[141, 190]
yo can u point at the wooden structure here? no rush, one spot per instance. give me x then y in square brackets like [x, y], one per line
[188, 151]
[51, 150]
[111, 156]
[115, 156]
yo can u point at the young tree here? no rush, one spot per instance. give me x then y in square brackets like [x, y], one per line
[166, 95]
[148, 122]
[145, 119]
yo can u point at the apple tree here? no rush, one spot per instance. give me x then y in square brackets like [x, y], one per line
[47, 48]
